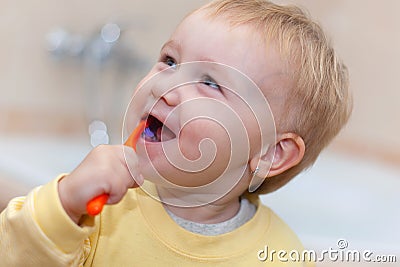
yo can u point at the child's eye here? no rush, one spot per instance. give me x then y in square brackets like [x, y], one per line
[211, 83]
[170, 61]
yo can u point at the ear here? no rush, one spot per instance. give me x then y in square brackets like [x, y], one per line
[289, 151]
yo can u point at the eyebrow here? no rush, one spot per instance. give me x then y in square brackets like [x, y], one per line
[207, 59]
[173, 44]
[178, 47]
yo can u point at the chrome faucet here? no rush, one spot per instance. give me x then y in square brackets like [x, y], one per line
[94, 54]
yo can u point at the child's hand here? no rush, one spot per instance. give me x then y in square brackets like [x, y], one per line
[104, 170]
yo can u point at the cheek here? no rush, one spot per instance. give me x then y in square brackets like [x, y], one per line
[251, 126]
[214, 136]
[156, 167]
[254, 134]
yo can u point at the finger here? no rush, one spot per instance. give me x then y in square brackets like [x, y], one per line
[132, 167]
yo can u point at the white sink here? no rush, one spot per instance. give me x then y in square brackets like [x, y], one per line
[35, 161]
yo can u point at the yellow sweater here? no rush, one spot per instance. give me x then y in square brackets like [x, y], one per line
[35, 231]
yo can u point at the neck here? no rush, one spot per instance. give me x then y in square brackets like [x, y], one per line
[215, 212]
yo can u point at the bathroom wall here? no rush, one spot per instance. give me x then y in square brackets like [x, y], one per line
[45, 96]
[366, 35]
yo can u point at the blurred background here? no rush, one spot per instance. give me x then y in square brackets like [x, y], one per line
[68, 69]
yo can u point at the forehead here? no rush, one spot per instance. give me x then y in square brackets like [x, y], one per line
[201, 38]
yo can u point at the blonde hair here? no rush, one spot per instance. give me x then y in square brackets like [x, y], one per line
[319, 104]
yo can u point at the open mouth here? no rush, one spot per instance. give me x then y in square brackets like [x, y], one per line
[156, 131]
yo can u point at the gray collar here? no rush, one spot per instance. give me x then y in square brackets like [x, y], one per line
[245, 213]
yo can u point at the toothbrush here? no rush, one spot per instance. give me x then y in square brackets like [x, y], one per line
[95, 206]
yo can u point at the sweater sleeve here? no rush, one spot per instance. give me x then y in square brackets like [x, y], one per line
[36, 231]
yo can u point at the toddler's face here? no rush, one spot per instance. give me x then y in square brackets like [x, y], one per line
[176, 123]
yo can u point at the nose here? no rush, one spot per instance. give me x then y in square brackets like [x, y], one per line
[174, 94]
[173, 97]
[175, 86]
[162, 87]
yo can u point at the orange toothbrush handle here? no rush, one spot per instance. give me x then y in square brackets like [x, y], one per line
[95, 206]
[134, 137]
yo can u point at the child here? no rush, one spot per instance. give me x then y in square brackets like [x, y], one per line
[289, 59]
